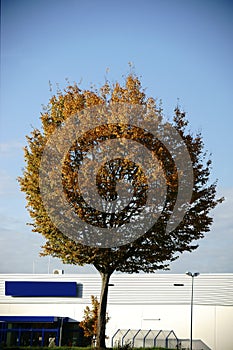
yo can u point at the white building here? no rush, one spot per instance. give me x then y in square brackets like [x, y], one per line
[139, 306]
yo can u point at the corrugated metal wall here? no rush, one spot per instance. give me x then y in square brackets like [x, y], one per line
[145, 289]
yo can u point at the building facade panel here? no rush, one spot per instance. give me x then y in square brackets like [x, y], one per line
[138, 301]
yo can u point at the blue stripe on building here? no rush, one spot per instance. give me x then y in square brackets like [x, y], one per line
[40, 289]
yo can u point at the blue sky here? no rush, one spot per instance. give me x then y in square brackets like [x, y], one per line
[181, 50]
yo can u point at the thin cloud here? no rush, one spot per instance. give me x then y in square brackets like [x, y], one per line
[11, 148]
[8, 184]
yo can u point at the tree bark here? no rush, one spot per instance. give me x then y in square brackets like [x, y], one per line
[100, 338]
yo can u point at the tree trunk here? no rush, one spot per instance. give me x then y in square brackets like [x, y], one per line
[100, 339]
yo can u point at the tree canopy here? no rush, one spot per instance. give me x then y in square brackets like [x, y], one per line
[86, 129]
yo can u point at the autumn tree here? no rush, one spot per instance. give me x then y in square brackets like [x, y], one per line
[152, 197]
[90, 318]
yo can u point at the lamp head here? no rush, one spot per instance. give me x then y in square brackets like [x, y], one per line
[192, 274]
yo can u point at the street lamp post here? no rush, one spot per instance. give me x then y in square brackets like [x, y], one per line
[192, 274]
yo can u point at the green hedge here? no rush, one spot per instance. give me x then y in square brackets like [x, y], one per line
[74, 348]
